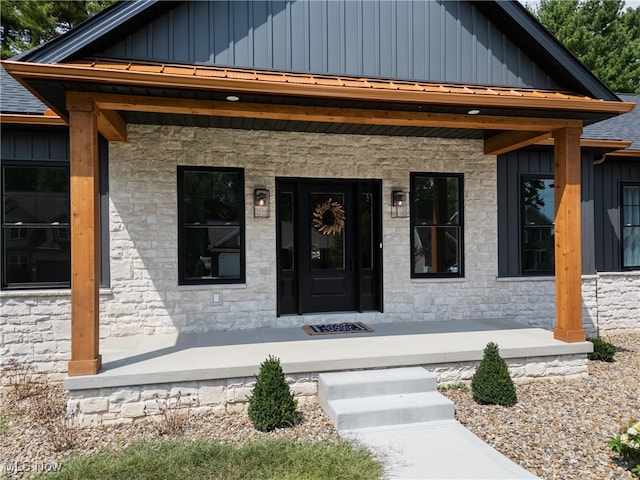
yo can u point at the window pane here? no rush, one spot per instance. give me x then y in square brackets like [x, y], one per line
[631, 226]
[327, 236]
[538, 198]
[36, 255]
[36, 195]
[436, 200]
[538, 249]
[538, 217]
[631, 242]
[436, 250]
[212, 252]
[366, 235]
[285, 206]
[211, 197]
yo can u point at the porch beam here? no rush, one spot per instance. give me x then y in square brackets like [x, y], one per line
[85, 260]
[326, 114]
[508, 141]
[112, 126]
[568, 254]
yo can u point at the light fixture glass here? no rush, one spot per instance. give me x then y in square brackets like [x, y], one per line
[233, 98]
[261, 207]
[473, 111]
[399, 203]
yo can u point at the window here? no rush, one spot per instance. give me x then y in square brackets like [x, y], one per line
[631, 226]
[211, 225]
[436, 225]
[35, 226]
[538, 213]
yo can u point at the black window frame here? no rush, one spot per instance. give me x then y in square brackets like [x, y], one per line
[182, 226]
[623, 225]
[460, 226]
[523, 271]
[23, 228]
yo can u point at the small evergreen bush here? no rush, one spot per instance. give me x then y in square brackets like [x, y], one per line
[602, 350]
[271, 404]
[491, 384]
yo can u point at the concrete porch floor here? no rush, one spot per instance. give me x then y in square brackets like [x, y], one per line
[161, 359]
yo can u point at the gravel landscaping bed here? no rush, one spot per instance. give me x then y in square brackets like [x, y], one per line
[557, 430]
[560, 429]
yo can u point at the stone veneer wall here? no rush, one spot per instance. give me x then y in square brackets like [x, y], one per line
[116, 405]
[144, 297]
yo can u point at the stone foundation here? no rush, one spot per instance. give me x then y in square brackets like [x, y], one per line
[125, 404]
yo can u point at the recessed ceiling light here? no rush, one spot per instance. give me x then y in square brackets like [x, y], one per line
[474, 111]
[233, 98]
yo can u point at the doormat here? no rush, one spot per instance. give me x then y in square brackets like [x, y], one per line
[329, 328]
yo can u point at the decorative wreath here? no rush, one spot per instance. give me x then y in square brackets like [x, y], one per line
[328, 218]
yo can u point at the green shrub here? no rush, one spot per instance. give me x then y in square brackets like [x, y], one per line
[602, 350]
[491, 384]
[271, 404]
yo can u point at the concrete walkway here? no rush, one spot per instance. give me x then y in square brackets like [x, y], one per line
[437, 450]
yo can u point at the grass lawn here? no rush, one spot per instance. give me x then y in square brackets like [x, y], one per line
[264, 459]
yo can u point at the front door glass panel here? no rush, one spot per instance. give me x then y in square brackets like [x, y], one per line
[327, 249]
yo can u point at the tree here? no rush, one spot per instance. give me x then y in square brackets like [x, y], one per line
[601, 34]
[28, 23]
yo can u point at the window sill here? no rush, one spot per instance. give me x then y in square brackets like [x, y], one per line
[439, 280]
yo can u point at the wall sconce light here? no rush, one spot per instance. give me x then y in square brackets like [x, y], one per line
[261, 207]
[399, 204]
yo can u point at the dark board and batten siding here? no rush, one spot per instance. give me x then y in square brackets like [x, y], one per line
[413, 40]
[608, 180]
[529, 162]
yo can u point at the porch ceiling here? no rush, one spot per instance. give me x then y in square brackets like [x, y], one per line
[191, 95]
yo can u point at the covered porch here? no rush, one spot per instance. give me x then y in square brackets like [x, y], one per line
[216, 370]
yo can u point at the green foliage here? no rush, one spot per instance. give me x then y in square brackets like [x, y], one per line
[601, 34]
[28, 23]
[602, 350]
[627, 444]
[491, 384]
[268, 460]
[271, 404]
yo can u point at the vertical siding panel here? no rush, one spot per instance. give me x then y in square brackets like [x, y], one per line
[482, 49]
[201, 51]
[261, 44]
[222, 37]
[351, 39]
[370, 47]
[299, 41]
[335, 33]
[181, 42]
[435, 43]
[586, 210]
[279, 34]
[466, 59]
[386, 40]
[317, 40]
[159, 40]
[241, 33]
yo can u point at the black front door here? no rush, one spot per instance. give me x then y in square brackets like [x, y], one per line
[329, 246]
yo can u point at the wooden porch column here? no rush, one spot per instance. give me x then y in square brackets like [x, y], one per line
[85, 227]
[568, 241]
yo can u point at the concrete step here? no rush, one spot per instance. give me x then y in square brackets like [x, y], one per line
[366, 383]
[385, 410]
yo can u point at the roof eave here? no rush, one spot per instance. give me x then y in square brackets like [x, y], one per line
[70, 72]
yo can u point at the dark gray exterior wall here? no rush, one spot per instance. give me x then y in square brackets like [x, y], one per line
[413, 40]
[608, 179]
[511, 168]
